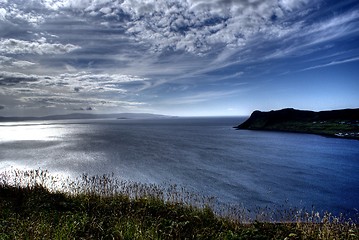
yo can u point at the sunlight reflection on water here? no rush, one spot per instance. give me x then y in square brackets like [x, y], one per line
[36, 131]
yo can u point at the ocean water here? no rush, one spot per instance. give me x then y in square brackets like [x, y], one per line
[205, 155]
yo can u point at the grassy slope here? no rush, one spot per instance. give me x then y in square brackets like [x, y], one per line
[329, 128]
[292, 120]
[33, 212]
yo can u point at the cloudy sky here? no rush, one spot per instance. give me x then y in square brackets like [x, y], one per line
[188, 57]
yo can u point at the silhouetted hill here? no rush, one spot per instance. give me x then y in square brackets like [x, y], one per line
[337, 123]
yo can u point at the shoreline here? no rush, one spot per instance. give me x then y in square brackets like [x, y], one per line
[301, 132]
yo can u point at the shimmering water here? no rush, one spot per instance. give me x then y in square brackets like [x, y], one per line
[206, 155]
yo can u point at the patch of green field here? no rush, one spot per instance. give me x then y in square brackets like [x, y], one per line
[329, 128]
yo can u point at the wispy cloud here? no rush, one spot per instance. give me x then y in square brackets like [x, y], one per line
[69, 89]
[132, 50]
[332, 63]
[204, 96]
[14, 46]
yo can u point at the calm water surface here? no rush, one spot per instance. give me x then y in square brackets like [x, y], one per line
[206, 155]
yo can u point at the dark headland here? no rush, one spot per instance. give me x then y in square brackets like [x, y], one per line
[336, 123]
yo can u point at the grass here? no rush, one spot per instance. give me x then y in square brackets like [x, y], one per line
[327, 128]
[37, 205]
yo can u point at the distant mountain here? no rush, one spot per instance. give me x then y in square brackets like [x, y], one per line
[337, 123]
[84, 116]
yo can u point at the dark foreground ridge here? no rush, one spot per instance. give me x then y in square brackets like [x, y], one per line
[337, 123]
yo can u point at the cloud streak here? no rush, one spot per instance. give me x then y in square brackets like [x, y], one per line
[15, 46]
[332, 63]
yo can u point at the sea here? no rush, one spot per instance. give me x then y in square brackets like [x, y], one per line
[204, 155]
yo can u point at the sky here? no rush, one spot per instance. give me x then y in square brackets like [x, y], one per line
[183, 58]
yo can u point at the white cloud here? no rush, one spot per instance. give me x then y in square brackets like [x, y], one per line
[23, 11]
[4, 59]
[76, 103]
[11, 78]
[199, 26]
[106, 10]
[23, 64]
[291, 5]
[82, 80]
[2, 13]
[88, 82]
[15, 46]
[8, 63]
[193, 26]
[78, 4]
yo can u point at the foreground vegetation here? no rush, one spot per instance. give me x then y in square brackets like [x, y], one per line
[36, 205]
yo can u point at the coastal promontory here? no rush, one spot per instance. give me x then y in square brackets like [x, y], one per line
[336, 123]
